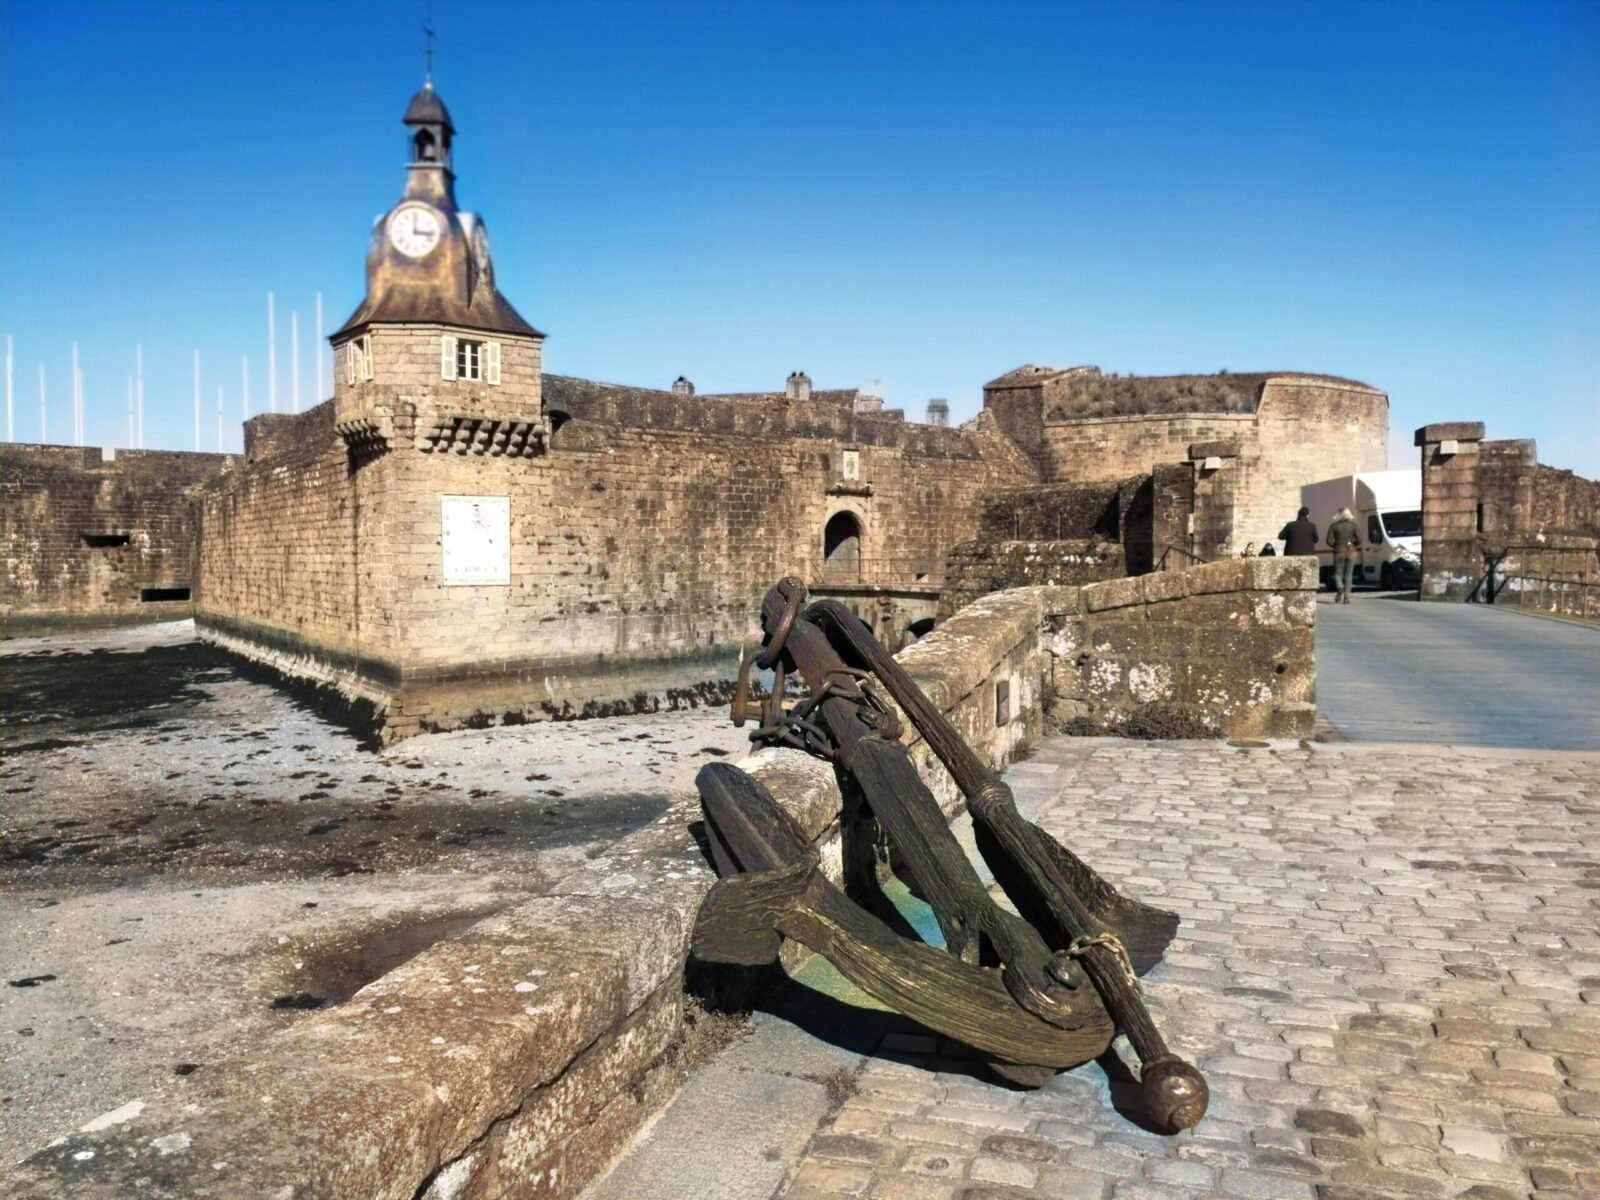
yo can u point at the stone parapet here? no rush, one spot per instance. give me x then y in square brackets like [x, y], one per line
[1224, 647]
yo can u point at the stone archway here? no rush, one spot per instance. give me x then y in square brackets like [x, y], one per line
[841, 548]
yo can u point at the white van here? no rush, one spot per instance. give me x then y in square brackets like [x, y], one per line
[1387, 506]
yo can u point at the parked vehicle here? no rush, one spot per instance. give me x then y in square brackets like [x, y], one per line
[1387, 506]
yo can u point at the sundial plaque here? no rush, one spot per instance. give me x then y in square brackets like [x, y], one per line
[477, 540]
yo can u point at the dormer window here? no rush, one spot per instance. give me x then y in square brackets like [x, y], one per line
[468, 358]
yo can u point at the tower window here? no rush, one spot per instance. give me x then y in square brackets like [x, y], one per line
[358, 359]
[427, 150]
[461, 358]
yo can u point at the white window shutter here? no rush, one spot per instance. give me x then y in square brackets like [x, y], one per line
[366, 357]
[447, 357]
[494, 362]
[350, 352]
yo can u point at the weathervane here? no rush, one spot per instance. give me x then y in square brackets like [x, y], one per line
[430, 35]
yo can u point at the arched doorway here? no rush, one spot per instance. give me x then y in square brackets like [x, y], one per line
[918, 630]
[841, 548]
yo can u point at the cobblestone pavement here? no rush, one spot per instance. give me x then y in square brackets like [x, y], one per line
[1389, 968]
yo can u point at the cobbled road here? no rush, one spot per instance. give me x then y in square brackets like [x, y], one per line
[1388, 969]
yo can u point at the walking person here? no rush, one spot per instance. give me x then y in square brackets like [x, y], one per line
[1299, 535]
[1344, 538]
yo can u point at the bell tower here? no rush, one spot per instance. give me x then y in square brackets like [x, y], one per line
[429, 137]
[435, 357]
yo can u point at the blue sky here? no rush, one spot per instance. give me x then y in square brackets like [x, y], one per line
[922, 194]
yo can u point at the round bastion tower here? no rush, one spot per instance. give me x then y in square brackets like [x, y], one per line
[434, 357]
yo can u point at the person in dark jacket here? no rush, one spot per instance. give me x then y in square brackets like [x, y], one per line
[1299, 535]
[1345, 540]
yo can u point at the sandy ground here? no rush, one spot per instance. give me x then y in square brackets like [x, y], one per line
[191, 858]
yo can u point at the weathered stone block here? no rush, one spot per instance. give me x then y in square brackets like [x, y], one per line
[1460, 431]
[1112, 593]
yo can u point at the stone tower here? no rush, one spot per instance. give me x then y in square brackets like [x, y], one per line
[434, 357]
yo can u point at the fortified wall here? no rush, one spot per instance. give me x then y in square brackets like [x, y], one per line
[99, 534]
[1486, 501]
[639, 539]
[1249, 441]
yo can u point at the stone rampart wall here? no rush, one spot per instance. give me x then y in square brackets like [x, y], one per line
[1303, 429]
[1106, 449]
[1518, 495]
[291, 564]
[638, 553]
[1225, 646]
[66, 512]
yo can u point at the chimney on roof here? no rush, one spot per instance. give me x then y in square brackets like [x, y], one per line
[682, 387]
[797, 386]
[938, 412]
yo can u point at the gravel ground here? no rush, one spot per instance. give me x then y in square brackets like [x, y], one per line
[190, 857]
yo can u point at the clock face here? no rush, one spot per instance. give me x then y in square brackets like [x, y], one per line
[414, 230]
[480, 246]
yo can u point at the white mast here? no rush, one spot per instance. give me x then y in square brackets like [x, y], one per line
[316, 349]
[294, 358]
[138, 366]
[44, 417]
[272, 356]
[244, 387]
[11, 432]
[77, 399]
[130, 412]
[197, 399]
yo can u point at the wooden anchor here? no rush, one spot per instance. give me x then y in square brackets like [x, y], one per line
[771, 884]
[1076, 924]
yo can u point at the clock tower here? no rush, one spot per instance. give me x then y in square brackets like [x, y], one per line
[435, 357]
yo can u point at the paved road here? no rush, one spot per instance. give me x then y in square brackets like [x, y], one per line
[1387, 969]
[1394, 670]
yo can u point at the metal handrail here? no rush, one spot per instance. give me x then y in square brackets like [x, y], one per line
[1573, 567]
[1488, 576]
[1161, 563]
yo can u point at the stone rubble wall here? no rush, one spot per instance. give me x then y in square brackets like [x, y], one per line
[518, 1059]
[50, 496]
[1229, 645]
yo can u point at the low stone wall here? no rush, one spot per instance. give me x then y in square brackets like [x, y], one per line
[975, 569]
[519, 1058]
[1227, 647]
